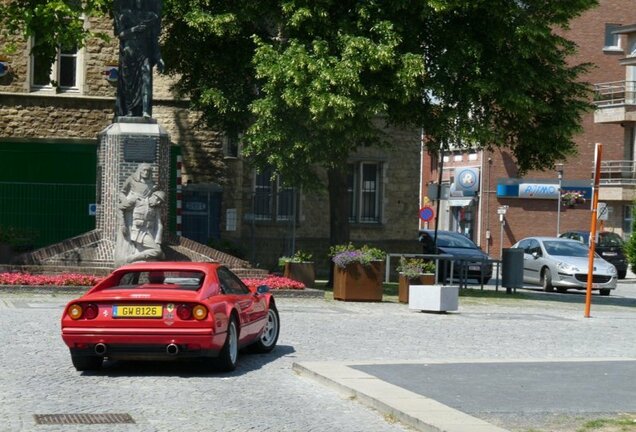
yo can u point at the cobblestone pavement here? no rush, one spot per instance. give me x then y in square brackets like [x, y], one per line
[264, 394]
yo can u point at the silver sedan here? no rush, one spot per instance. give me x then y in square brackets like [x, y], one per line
[561, 263]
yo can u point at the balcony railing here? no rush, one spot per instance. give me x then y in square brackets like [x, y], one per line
[615, 93]
[618, 172]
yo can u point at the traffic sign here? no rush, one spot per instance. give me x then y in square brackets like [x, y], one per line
[427, 213]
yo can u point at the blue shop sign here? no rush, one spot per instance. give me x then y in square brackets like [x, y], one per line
[537, 190]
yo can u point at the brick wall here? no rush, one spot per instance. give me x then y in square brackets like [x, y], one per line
[539, 217]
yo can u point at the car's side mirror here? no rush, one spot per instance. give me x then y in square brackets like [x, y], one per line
[535, 254]
[262, 289]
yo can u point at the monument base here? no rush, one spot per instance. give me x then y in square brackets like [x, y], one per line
[91, 253]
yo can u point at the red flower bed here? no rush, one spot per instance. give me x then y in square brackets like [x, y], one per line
[72, 279]
[67, 279]
[274, 282]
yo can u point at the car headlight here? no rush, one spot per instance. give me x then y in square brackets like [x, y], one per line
[612, 270]
[567, 268]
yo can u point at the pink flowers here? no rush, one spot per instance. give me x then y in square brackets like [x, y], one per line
[274, 282]
[72, 279]
[67, 279]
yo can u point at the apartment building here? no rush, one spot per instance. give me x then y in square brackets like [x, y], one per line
[486, 198]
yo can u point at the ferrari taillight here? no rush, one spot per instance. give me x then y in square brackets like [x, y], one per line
[91, 311]
[184, 312]
[200, 312]
[75, 311]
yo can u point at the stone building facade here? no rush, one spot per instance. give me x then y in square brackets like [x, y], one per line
[384, 183]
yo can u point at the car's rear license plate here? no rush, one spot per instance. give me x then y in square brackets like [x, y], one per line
[137, 311]
[609, 254]
[474, 267]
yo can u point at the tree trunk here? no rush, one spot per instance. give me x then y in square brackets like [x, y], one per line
[338, 210]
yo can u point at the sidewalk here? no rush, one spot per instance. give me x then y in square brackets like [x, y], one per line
[500, 394]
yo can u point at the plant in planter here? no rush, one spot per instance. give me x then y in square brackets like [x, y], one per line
[414, 271]
[357, 272]
[299, 267]
[571, 198]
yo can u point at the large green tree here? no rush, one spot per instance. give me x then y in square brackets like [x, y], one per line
[309, 81]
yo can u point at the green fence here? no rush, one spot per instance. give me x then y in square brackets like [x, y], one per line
[45, 213]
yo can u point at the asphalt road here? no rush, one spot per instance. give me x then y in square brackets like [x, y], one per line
[265, 394]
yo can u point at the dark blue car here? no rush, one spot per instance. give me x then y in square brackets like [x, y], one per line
[462, 249]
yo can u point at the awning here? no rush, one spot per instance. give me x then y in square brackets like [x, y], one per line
[460, 202]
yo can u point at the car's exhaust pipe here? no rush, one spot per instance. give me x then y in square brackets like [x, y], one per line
[172, 349]
[100, 349]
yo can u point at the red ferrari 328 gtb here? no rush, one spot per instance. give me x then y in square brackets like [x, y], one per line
[169, 310]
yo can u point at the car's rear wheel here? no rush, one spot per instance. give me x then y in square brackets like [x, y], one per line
[605, 292]
[86, 363]
[622, 274]
[485, 280]
[546, 280]
[269, 337]
[228, 357]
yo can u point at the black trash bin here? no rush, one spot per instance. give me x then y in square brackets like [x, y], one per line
[512, 269]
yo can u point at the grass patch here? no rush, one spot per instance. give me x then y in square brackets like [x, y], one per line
[621, 424]
[390, 292]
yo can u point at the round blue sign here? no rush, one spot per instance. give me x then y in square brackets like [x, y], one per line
[427, 213]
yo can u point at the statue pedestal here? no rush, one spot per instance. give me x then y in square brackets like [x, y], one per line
[123, 146]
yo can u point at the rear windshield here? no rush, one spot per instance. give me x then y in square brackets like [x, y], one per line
[161, 279]
[609, 239]
[454, 241]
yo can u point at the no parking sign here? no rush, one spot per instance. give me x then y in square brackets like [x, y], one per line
[427, 213]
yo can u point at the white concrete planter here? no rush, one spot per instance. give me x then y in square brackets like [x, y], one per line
[438, 298]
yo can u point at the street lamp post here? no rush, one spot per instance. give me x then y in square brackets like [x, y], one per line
[559, 168]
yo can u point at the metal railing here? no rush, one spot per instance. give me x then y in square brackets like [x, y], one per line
[449, 272]
[618, 172]
[615, 93]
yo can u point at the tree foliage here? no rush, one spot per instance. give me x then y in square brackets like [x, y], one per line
[310, 81]
[52, 23]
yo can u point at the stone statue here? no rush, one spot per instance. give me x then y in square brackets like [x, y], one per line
[137, 25]
[141, 228]
[146, 229]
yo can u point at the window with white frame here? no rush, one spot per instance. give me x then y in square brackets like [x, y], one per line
[64, 75]
[612, 40]
[272, 200]
[364, 182]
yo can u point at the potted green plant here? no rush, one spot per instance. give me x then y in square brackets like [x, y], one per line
[299, 267]
[414, 271]
[357, 273]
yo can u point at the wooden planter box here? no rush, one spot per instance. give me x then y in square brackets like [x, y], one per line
[404, 283]
[358, 282]
[302, 272]
[434, 298]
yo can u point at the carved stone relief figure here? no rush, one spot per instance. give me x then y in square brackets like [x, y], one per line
[141, 230]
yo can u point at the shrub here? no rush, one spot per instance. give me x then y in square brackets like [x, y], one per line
[342, 255]
[299, 257]
[412, 267]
